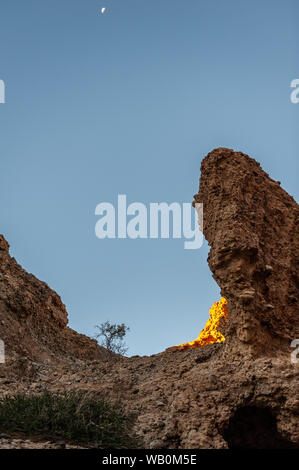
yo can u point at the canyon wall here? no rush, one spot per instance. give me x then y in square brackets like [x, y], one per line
[33, 319]
[240, 393]
[252, 227]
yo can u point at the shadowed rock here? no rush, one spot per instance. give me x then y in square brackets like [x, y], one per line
[240, 393]
[252, 227]
[33, 319]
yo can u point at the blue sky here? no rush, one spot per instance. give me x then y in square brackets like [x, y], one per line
[129, 102]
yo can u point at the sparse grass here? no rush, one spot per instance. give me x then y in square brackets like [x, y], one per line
[78, 417]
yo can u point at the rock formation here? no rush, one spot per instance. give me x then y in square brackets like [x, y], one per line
[240, 393]
[33, 319]
[252, 226]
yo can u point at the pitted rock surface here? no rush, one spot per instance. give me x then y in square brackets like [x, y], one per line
[241, 393]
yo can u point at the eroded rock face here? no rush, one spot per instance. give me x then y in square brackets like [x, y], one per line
[33, 319]
[252, 227]
[239, 393]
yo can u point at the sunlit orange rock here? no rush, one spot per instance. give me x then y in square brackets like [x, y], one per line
[210, 334]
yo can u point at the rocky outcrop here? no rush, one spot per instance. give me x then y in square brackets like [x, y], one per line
[240, 393]
[252, 227]
[33, 319]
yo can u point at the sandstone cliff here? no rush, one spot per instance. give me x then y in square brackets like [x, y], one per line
[240, 393]
[252, 226]
[33, 319]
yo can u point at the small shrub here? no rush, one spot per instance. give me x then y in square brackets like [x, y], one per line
[112, 336]
[78, 417]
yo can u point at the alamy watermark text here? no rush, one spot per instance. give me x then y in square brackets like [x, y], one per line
[162, 220]
[2, 92]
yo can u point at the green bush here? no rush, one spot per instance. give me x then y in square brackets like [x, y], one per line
[112, 336]
[78, 417]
